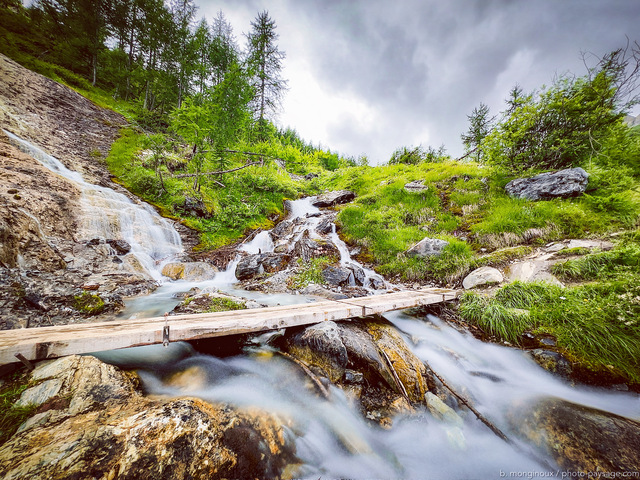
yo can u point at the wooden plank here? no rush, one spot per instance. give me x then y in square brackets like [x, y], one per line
[50, 342]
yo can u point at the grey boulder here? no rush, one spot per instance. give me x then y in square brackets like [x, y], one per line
[566, 183]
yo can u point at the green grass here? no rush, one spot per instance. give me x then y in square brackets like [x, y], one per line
[243, 201]
[12, 416]
[595, 324]
[221, 304]
[309, 272]
[620, 261]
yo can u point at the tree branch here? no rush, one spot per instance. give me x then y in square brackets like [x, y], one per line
[219, 172]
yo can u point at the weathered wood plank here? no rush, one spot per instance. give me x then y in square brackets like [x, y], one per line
[50, 342]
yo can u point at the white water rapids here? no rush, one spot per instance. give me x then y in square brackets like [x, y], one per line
[107, 214]
[332, 439]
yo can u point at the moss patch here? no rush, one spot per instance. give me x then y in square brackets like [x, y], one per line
[88, 303]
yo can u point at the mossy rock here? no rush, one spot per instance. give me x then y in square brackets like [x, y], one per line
[88, 303]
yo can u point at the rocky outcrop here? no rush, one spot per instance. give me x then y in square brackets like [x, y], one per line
[44, 266]
[336, 276]
[92, 422]
[570, 182]
[579, 438]
[369, 360]
[331, 199]
[427, 247]
[307, 248]
[59, 120]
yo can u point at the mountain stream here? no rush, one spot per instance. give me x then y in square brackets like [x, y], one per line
[332, 438]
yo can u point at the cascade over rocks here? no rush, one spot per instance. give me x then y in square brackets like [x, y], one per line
[570, 182]
[331, 199]
[93, 420]
[44, 265]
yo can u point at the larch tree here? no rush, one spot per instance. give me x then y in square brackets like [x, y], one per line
[264, 61]
[479, 127]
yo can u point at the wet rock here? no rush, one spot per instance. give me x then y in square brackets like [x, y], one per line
[481, 277]
[570, 182]
[372, 347]
[190, 271]
[579, 438]
[336, 276]
[377, 283]
[427, 247]
[358, 273]
[441, 410]
[325, 226]
[331, 199]
[552, 361]
[120, 246]
[416, 186]
[97, 421]
[307, 248]
[257, 264]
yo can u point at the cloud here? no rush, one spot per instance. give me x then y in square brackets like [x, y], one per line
[369, 76]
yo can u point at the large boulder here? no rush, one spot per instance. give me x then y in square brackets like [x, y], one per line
[579, 438]
[336, 276]
[570, 182]
[427, 247]
[481, 277]
[259, 263]
[368, 359]
[307, 248]
[331, 199]
[93, 422]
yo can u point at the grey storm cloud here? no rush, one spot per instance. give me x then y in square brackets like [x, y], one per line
[421, 66]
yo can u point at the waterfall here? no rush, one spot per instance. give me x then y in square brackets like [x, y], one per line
[107, 214]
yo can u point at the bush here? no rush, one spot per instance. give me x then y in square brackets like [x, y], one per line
[568, 123]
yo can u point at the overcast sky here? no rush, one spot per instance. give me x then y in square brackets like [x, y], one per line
[369, 76]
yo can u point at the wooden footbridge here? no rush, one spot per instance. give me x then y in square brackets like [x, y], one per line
[57, 341]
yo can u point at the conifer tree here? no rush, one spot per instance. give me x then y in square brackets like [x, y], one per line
[264, 60]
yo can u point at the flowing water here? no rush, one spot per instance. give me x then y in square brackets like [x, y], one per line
[107, 214]
[332, 439]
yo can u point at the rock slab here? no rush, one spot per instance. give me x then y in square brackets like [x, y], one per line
[570, 182]
[98, 425]
[331, 199]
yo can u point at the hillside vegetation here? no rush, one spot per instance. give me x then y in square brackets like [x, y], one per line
[203, 148]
